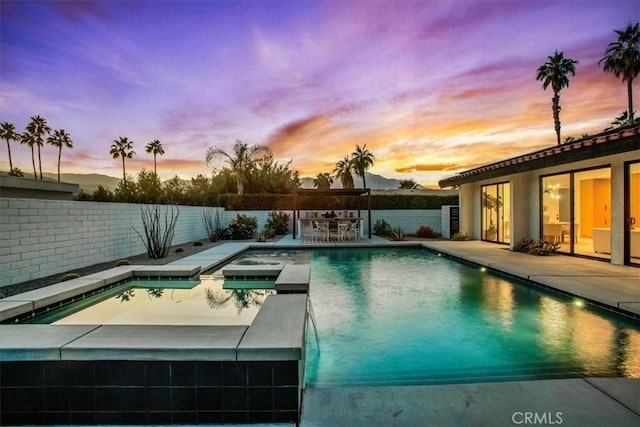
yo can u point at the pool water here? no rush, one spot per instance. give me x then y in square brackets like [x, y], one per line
[408, 316]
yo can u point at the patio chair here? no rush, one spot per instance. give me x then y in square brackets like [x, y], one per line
[354, 228]
[317, 231]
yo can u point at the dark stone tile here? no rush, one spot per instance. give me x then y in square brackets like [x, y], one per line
[260, 374]
[209, 374]
[260, 416]
[82, 399]
[230, 417]
[234, 399]
[56, 374]
[119, 373]
[31, 399]
[285, 373]
[9, 400]
[286, 398]
[184, 417]
[210, 417]
[183, 373]
[56, 399]
[120, 399]
[81, 373]
[157, 374]
[183, 399]
[82, 418]
[56, 417]
[134, 418]
[285, 416]
[108, 418]
[234, 374]
[260, 398]
[210, 398]
[36, 418]
[158, 399]
[159, 417]
[21, 374]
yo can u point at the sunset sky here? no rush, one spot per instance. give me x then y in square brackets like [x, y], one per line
[432, 87]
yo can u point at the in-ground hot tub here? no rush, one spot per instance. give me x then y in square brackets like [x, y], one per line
[149, 374]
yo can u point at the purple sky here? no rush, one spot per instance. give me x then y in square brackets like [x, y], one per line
[432, 87]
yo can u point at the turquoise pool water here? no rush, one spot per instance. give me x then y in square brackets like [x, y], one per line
[408, 316]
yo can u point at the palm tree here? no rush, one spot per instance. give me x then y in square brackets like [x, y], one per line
[37, 128]
[123, 148]
[622, 59]
[408, 184]
[240, 161]
[8, 133]
[362, 160]
[28, 139]
[343, 171]
[155, 147]
[323, 181]
[554, 72]
[60, 138]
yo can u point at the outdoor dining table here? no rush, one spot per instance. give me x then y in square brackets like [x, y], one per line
[305, 227]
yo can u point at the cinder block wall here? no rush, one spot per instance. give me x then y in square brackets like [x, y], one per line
[408, 220]
[39, 238]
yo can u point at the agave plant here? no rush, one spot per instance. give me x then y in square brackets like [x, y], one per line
[398, 234]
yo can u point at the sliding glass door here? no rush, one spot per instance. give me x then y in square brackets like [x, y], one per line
[632, 213]
[496, 209]
[576, 212]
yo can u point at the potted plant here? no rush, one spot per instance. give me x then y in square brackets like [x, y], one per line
[492, 204]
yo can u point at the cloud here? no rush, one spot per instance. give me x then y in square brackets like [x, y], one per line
[433, 167]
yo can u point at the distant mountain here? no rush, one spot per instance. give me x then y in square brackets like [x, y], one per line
[375, 182]
[88, 182]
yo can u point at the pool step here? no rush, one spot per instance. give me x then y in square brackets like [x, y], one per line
[294, 278]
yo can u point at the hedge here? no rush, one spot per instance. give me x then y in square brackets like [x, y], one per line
[285, 202]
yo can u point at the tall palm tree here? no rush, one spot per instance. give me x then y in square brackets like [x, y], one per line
[60, 138]
[123, 148]
[241, 160]
[323, 181]
[155, 147]
[555, 72]
[38, 128]
[362, 160]
[28, 139]
[343, 170]
[8, 133]
[622, 59]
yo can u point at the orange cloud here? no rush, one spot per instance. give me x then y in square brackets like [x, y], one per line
[434, 167]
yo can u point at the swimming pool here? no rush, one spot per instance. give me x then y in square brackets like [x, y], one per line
[408, 316]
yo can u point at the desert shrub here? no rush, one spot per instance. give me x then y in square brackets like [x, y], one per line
[122, 262]
[243, 227]
[159, 224]
[179, 249]
[382, 228]
[212, 222]
[278, 222]
[460, 236]
[264, 236]
[536, 247]
[2, 295]
[426, 231]
[198, 243]
[69, 276]
[398, 234]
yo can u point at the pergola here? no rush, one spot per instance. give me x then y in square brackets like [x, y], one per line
[342, 192]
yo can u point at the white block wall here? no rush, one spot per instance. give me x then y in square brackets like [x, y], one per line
[408, 220]
[39, 238]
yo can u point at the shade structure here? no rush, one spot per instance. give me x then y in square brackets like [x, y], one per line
[340, 192]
